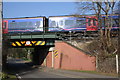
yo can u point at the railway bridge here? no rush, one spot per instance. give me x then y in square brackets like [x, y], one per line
[41, 42]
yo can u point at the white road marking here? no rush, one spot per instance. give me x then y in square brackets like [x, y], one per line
[19, 77]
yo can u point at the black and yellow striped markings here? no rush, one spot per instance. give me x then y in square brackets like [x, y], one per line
[33, 42]
[28, 43]
[23, 42]
[40, 43]
[13, 44]
[18, 43]
[56, 53]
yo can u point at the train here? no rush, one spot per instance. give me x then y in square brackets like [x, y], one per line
[23, 25]
[63, 24]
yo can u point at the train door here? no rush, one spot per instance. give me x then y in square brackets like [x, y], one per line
[92, 23]
[5, 26]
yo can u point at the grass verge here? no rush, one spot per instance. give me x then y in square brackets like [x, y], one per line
[99, 73]
[5, 76]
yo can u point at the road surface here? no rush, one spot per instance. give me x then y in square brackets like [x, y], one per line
[27, 70]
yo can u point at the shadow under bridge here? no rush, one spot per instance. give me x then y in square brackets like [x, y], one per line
[40, 42]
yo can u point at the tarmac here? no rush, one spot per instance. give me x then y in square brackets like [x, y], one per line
[75, 74]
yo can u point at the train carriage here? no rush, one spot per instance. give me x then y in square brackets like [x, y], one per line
[24, 25]
[72, 23]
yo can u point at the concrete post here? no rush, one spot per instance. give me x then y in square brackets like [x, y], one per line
[28, 54]
[117, 67]
[45, 62]
[52, 59]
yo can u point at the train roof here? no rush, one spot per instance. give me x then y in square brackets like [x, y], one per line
[25, 17]
[72, 16]
[114, 15]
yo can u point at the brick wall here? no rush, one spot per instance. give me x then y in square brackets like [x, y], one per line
[71, 58]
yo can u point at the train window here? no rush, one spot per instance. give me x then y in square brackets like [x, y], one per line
[13, 25]
[69, 22]
[115, 22]
[103, 22]
[80, 22]
[20, 25]
[37, 24]
[29, 23]
[94, 21]
[53, 24]
[61, 23]
[23, 24]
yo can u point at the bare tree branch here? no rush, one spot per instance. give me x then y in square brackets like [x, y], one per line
[101, 7]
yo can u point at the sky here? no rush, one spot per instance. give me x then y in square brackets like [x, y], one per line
[32, 9]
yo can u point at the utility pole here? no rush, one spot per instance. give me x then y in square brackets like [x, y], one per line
[119, 43]
[4, 42]
[0, 36]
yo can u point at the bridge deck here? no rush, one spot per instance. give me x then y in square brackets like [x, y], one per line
[32, 40]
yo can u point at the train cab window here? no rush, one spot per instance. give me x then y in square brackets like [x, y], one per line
[94, 21]
[4, 25]
[69, 22]
[89, 21]
[53, 24]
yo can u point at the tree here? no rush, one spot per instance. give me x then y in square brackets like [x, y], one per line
[106, 45]
[105, 36]
[100, 9]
